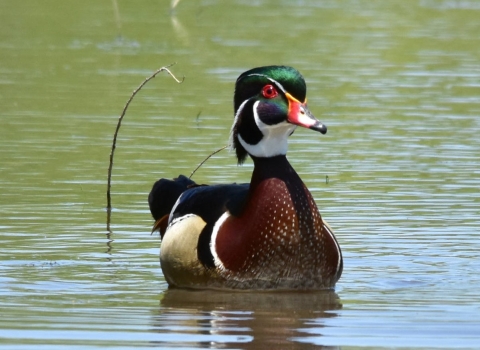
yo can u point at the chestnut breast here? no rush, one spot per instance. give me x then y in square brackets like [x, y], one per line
[280, 234]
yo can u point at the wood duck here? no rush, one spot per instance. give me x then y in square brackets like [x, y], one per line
[267, 234]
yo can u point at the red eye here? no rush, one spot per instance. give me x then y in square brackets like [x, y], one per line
[269, 91]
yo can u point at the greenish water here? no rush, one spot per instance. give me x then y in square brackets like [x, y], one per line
[397, 83]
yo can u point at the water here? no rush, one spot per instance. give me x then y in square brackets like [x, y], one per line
[397, 83]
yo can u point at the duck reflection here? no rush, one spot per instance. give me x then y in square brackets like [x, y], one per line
[244, 320]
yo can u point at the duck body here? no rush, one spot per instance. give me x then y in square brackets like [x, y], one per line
[265, 235]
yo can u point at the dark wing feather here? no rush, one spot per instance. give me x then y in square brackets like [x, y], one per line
[210, 202]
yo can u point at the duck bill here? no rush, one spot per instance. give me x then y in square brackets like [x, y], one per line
[300, 115]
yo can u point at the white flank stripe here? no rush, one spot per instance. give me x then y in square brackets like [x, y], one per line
[213, 248]
[336, 244]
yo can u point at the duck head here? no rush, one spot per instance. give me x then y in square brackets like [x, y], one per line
[270, 102]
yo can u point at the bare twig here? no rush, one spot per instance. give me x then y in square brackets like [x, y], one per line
[114, 142]
[211, 154]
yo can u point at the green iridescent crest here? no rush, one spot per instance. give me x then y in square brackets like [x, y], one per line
[250, 83]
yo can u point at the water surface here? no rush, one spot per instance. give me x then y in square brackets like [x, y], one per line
[397, 83]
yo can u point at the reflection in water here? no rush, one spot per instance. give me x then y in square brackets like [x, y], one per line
[180, 31]
[116, 12]
[217, 319]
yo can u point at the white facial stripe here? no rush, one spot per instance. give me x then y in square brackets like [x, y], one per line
[272, 80]
[240, 110]
[278, 85]
[235, 120]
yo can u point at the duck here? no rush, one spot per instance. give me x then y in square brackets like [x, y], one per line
[267, 234]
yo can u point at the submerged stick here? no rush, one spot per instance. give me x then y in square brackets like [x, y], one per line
[114, 142]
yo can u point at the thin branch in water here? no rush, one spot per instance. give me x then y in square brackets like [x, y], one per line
[114, 142]
[211, 154]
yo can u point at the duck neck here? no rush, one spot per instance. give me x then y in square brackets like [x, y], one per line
[293, 188]
[273, 167]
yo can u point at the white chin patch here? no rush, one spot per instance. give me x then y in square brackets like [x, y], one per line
[274, 141]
